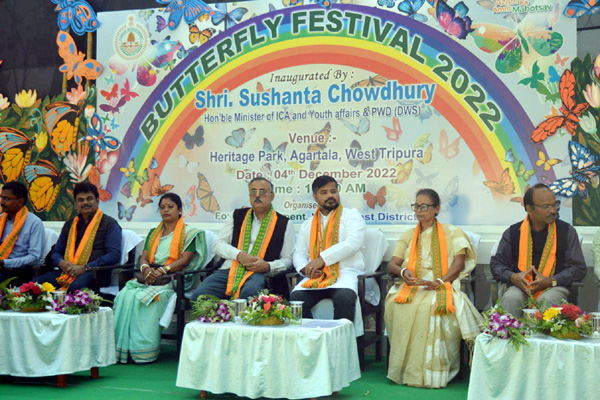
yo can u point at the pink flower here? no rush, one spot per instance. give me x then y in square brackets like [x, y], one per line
[281, 306]
[597, 66]
[592, 95]
[76, 95]
[105, 160]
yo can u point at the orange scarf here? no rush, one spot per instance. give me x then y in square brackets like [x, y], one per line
[176, 249]
[548, 259]
[439, 248]
[320, 242]
[81, 255]
[7, 246]
[238, 273]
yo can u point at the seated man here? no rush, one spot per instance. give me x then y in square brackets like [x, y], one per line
[540, 256]
[328, 253]
[252, 242]
[90, 239]
[21, 235]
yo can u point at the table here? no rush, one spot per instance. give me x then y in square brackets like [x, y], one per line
[49, 344]
[546, 369]
[310, 360]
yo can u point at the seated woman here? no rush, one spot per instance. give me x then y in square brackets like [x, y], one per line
[170, 247]
[427, 315]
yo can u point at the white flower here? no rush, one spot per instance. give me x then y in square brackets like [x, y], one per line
[4, 103]
[588, 123]
[592, 95]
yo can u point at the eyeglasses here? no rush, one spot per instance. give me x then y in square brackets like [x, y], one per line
[421, 207]
[546, 207]
[259, 192]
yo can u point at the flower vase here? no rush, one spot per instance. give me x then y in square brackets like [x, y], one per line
[271, 321]
[568, 335]
[32, 309]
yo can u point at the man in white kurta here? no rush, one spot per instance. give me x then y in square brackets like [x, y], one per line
[347, 251]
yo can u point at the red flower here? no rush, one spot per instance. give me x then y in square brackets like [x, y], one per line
[36, 290]
[538, 315]
[571, 311]
[27, 287]
[587, 317]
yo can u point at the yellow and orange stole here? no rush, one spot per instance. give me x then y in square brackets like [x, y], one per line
[320, 241]
[7, 246]
[81, 254]
[238, 273]
[548, 259]
[439, 249]
[176, 249]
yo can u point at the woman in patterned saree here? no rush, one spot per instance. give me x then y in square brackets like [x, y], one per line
[170, 247]
[427, 314]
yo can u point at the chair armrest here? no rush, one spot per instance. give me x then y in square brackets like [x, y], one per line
[281, 272]
[376, 274]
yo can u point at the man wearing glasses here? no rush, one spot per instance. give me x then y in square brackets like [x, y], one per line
[21, 235]
[253, 241]
[540, 256]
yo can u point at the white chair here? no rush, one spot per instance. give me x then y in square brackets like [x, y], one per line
[466, 282]
[51, 237]
[131, 247]
[369, 295]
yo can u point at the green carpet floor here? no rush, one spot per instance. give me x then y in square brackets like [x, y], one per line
[157, 381]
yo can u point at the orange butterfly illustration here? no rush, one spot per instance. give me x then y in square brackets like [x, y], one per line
[112, 94]
[570, 109]
[62, 121]
[156, 189]
[561, 60]
[75, 64]
[208, 201]
[143, 199]
[94, 179]
[395, 132]
[504, 186]
[379, 198]
[451, 150]
[377, 80]
[15, 153]
[519, 199]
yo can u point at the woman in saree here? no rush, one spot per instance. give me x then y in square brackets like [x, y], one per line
[427, 315]
[170, 247]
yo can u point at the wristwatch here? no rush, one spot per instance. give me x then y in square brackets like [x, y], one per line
[554, 283]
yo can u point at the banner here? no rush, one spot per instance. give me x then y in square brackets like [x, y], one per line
[386, 100]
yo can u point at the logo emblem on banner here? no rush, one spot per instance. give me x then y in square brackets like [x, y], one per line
[131, 40]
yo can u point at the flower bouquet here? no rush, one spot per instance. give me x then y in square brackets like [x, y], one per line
[31, 297]
[566, 321]
[5, 294]
[80, 302]
[212, 309]
[502, 325]
[267, 309]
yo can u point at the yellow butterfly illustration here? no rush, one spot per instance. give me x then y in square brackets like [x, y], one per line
[44, 184]
[15, 153]
[547, 163]
[403, 172]
[128, 170]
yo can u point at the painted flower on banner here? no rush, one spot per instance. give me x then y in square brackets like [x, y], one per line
[26, 99]
[597, 66]
[41, 141]
[76, 95]
[76, 163]
[4, 103]
[592, 95]
[77, 15]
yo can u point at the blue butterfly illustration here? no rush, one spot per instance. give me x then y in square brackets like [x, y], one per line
[190, 10]
[269, 148]
[110, 79]
[239, 137]
[578, 8]
[584, 172]
[510, 156]
[230, 18]
[113, 124]
[410, 8]
[153, 163]
[363, 126]
[77, 15]
[126, 213]
[553, 74]
[324, 3]
[96, 136]
[364, 163]
[197, 139]
[183, 53]
[161, 23]
[386, 3]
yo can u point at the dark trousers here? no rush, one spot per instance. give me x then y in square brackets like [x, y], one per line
[85, 280]
[216, 284]
[23, 275]
[344, 301]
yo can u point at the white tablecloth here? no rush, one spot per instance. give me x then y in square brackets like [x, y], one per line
[48, 344]
[546, 369]
[314, 359]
